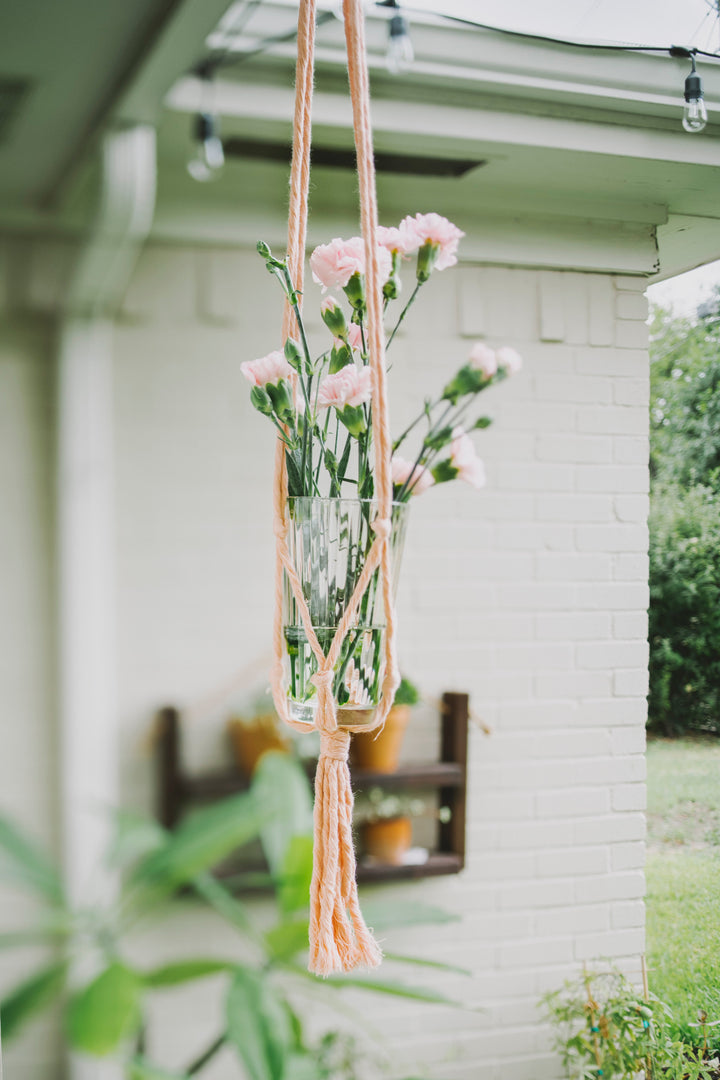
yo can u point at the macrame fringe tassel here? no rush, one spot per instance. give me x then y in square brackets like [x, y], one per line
[339, 938]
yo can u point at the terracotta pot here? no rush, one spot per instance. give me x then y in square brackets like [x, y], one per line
[251, 739]
[387, 841]
[380, 751]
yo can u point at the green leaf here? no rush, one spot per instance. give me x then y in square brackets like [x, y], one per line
[258, 1026]
[140, 1069]
[200, 843]
[287, 939]
[295, 484]
[344, 460]
[301, 1066]
[295, 875]
[421, 962]
[22, 863]
[382, 914]
[106, 1011]
[281, 789]
[185, 971]
[30, 996]
[226, 905]
[135, 837]
[377, 986]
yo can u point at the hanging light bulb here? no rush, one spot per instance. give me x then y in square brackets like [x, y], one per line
[209, 157]
[400, 53]
[694, 112]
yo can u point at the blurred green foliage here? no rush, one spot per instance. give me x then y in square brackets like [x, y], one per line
[685, 524]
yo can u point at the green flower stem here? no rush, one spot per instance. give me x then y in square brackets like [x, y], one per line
[404, 312]
[207, 1055]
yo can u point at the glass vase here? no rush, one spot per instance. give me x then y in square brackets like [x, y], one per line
[328, 541]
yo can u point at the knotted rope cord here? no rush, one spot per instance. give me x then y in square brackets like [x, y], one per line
[339, 938]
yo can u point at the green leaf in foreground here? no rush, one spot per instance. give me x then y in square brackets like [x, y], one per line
[140, 1069]
[30, 996]
[185, 971]
[258, 1026]
[383, 914]
[295, 875]
[438, 965]
[287, 939]
[412, 993]
[106, 1011]
[23, 863]
[281, 789]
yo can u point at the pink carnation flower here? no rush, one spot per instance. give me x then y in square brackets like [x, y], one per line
[349, 386]
[268, 369]
[483, 359]
[432, 229]
[335, 263]
[354, 336]
[509, 359]
[393, 239]
[464, 458]
[422, 478]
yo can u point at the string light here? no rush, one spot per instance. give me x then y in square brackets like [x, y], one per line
[400, 53]
[694, 112]
[208, 156]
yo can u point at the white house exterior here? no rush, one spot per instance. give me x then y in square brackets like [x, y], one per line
[136, 537]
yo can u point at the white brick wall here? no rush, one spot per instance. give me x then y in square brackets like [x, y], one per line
[530, 595]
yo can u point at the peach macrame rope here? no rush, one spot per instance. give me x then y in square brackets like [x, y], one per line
[339, 938]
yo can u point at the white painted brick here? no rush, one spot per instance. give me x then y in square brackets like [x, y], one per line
[627, 914]
[573, 567]
[534, 476]
[617, 943]
[627, 567]
[612, 654]
[537, 416]
[613, 538]
[613, 712]
[538, 595]
[583, 742]
[630, 334]
[631, 306]
[534, 655]
[631, 507]
[579, 389]
[535, 953]
[616, 595]
[573, 684]
[633, 362]
[573, 626]
[612, 420]
[629, 797]
[535, 537]
[559, 446]
[630, 624]
[552, 310]
[583, 919]
[631, 392]
[573, 802]
[631, 450]
[602, 310]
[628, 856]
[575, 508]
[534, 835]
[628, 740]
[614, 828]
[612, 478]
[625, 886]
[576, 861]
[534, 715]
[545, 894]
[631, 683]
[628, 283]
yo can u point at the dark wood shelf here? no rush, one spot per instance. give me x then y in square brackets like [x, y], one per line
[178, 790]
[438, 863]
[223, 782]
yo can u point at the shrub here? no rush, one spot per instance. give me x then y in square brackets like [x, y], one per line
[684, 610]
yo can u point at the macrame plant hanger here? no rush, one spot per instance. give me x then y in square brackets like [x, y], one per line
[339, 938]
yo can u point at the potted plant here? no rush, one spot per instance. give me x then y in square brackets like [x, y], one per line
[321, 409]
[379, 751]
[385, 823]
[253, 732]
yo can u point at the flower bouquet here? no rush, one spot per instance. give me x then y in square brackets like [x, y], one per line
[320, 407]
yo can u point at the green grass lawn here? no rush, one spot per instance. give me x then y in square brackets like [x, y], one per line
[683, 875]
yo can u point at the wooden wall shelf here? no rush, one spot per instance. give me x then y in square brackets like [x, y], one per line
[178, 790]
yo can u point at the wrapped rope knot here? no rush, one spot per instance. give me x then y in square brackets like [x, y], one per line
[381, 527]
[335, 745]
